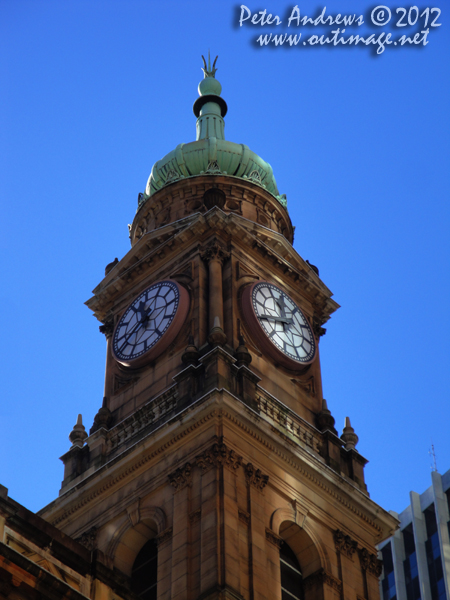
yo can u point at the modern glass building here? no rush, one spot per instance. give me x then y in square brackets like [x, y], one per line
[416, 560]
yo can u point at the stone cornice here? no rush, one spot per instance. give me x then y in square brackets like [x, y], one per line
[188, 196]
[321, 478]
[294, 462]
[129, 469]
[152, 249]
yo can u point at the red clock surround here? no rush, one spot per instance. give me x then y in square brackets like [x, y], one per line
[159, 332]
[287, 317]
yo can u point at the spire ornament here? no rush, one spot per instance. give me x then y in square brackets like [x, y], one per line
[207, 70]
[349, 436]
[78, 434]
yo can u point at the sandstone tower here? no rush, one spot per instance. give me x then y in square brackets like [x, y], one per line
[213, 469]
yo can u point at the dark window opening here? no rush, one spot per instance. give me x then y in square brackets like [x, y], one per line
[447, 493]
[388, 583]
[145, 571]
[410, 565]
[433, 552]
[291, 575]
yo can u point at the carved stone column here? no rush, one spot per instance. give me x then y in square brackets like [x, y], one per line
[219, 521]
[180, 480]
[273, 546]
[371, 567]
[345, 549]
[215, 255]
[256, 482]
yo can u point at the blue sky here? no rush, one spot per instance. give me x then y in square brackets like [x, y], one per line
[95, 92]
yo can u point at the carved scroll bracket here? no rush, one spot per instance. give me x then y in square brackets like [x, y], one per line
[218, 454]
[88, 539]
[370, 562]
[107, 328]
[255, 477]
[214, 251]
[344, 543]
[181, 478]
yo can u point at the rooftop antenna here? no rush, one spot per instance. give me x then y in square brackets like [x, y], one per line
[432, 454]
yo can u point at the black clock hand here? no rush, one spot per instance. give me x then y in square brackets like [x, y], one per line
[281, 319]
[282, 306]
[152, 315]
[133, 330]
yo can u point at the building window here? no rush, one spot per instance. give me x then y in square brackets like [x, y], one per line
[388, 583]
[434, 560]
[291, 575]
[145, 571]
[447, 493]
[410, 565]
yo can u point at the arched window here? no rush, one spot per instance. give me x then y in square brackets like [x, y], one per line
[144, 575]
[291, 575]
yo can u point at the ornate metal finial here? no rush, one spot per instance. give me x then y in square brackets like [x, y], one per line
[207, 70]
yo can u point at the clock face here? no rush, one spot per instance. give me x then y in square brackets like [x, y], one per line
[274, 317]
[150, 323]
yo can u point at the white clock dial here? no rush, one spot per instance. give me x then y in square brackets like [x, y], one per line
[283, 322]
[146, 321]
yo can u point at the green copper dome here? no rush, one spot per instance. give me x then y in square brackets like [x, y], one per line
[211, 153]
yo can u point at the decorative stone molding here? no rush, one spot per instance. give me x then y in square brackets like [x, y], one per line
[308, 386]
[164, 536]
[344, 543]
[214, 251]
[244, 516]
[88, 539]
[218, 455]
[319, 331]
[171, 176]
[182, 477]
[214, 197]
[133, 513]
[292, 424]
[150, 413]
[255, 477]
[370, 562]
[273, 538]
[255, 176]
[213, 168]
[322, 577]
[107, 328]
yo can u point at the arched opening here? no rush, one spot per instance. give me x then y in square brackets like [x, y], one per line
[144, 575]
[131, 543]
[302, 546]
[291, 575]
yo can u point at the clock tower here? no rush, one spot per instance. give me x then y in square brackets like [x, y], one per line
[213, 469]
